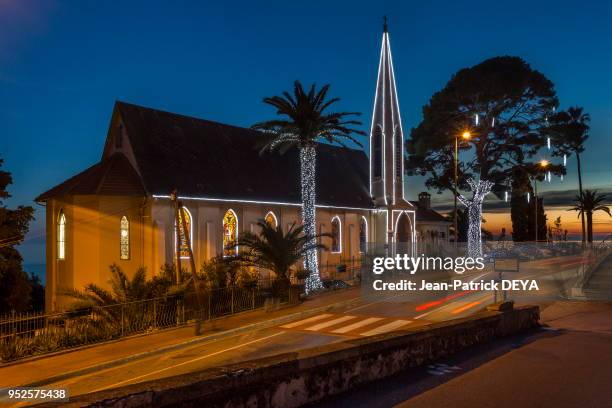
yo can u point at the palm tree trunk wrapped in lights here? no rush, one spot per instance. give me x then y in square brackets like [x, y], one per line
[308, 123]
[308, 158]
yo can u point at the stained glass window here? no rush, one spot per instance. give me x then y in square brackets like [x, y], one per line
[271, 219]
[230, 232]
[124, 238]
[61, 235]
[184, 249]
[363, 234]
[336, 235]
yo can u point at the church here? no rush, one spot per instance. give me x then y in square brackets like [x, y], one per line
[120, 211]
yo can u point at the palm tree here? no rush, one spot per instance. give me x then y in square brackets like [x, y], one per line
[123, 289]
[587, 204]
[571, 127]
[274, 249]
[306, 122]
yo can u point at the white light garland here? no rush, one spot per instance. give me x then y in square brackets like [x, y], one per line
[474, 206]
[548, 142]
[308, 157]
[528, 196]
[506, 196]
[565, 160]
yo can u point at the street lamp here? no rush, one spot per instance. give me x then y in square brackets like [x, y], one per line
[466, 136]
[543, 164]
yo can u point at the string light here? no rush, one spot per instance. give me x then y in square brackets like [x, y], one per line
[493, 122]
[528, 196]
[474, 206]
[549, 176]
[562, 177]
[565, 160]
[476, 119]
[308, 157]
[506, 196]
[548, 142]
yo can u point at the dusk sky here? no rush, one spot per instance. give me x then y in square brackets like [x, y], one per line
[64, 63]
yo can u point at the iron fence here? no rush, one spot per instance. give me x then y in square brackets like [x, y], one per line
[37, 333]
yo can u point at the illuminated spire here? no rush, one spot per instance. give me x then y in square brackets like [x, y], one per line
[386, 135]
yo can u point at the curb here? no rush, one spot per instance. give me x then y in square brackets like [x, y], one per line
[264, 324]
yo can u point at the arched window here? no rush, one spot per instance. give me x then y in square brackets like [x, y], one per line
[230, 232]
[184, 249]
[336, 235]
[124, 238]
[61, 235]
[363, 234]
[271, 219]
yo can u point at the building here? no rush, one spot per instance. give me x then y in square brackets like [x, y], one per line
[119, 210]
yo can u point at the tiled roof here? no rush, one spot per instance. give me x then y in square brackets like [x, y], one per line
[428, 214]
[201, 158]
[114, 175]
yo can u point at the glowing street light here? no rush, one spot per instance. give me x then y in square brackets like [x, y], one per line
[466, 135]
[543, 164]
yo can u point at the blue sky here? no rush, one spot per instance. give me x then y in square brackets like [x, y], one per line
[64, 63]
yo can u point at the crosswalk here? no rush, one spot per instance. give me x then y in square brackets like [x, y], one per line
[348, 325]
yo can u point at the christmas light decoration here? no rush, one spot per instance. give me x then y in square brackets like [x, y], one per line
[562, 177]
[474, 206]
[565, 160]
[308, 157]
[506, 196]
[528, 195]
[548, 142]
[548, 175]
[493, 122]
[476, 119]
[230, 200]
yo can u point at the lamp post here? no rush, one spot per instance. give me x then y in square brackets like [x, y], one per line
[465, 135]
[543, 164]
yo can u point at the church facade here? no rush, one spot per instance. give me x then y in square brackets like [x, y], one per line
[119, 210]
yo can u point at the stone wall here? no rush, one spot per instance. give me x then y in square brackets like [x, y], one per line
[290, 380]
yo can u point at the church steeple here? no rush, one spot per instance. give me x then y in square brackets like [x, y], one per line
[386, 134]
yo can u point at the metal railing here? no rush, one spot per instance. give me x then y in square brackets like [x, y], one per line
[37, 333]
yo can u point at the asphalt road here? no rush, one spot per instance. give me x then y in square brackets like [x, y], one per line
[375, 315]
[565, 365]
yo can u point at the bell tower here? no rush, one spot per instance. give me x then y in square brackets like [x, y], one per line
[395, 215]
[386, 134]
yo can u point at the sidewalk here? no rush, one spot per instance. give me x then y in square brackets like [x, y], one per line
[90, 358]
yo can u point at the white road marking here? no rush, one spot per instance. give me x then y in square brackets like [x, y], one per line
[306, 321]
[329, 323]
[386, 328]
[371, 303]
[188, 361]
[357, 325]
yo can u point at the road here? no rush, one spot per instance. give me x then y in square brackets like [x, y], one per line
[367, 317]
[565, 365]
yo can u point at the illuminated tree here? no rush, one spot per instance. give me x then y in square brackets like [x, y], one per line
[504, 104]
[306, 122]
